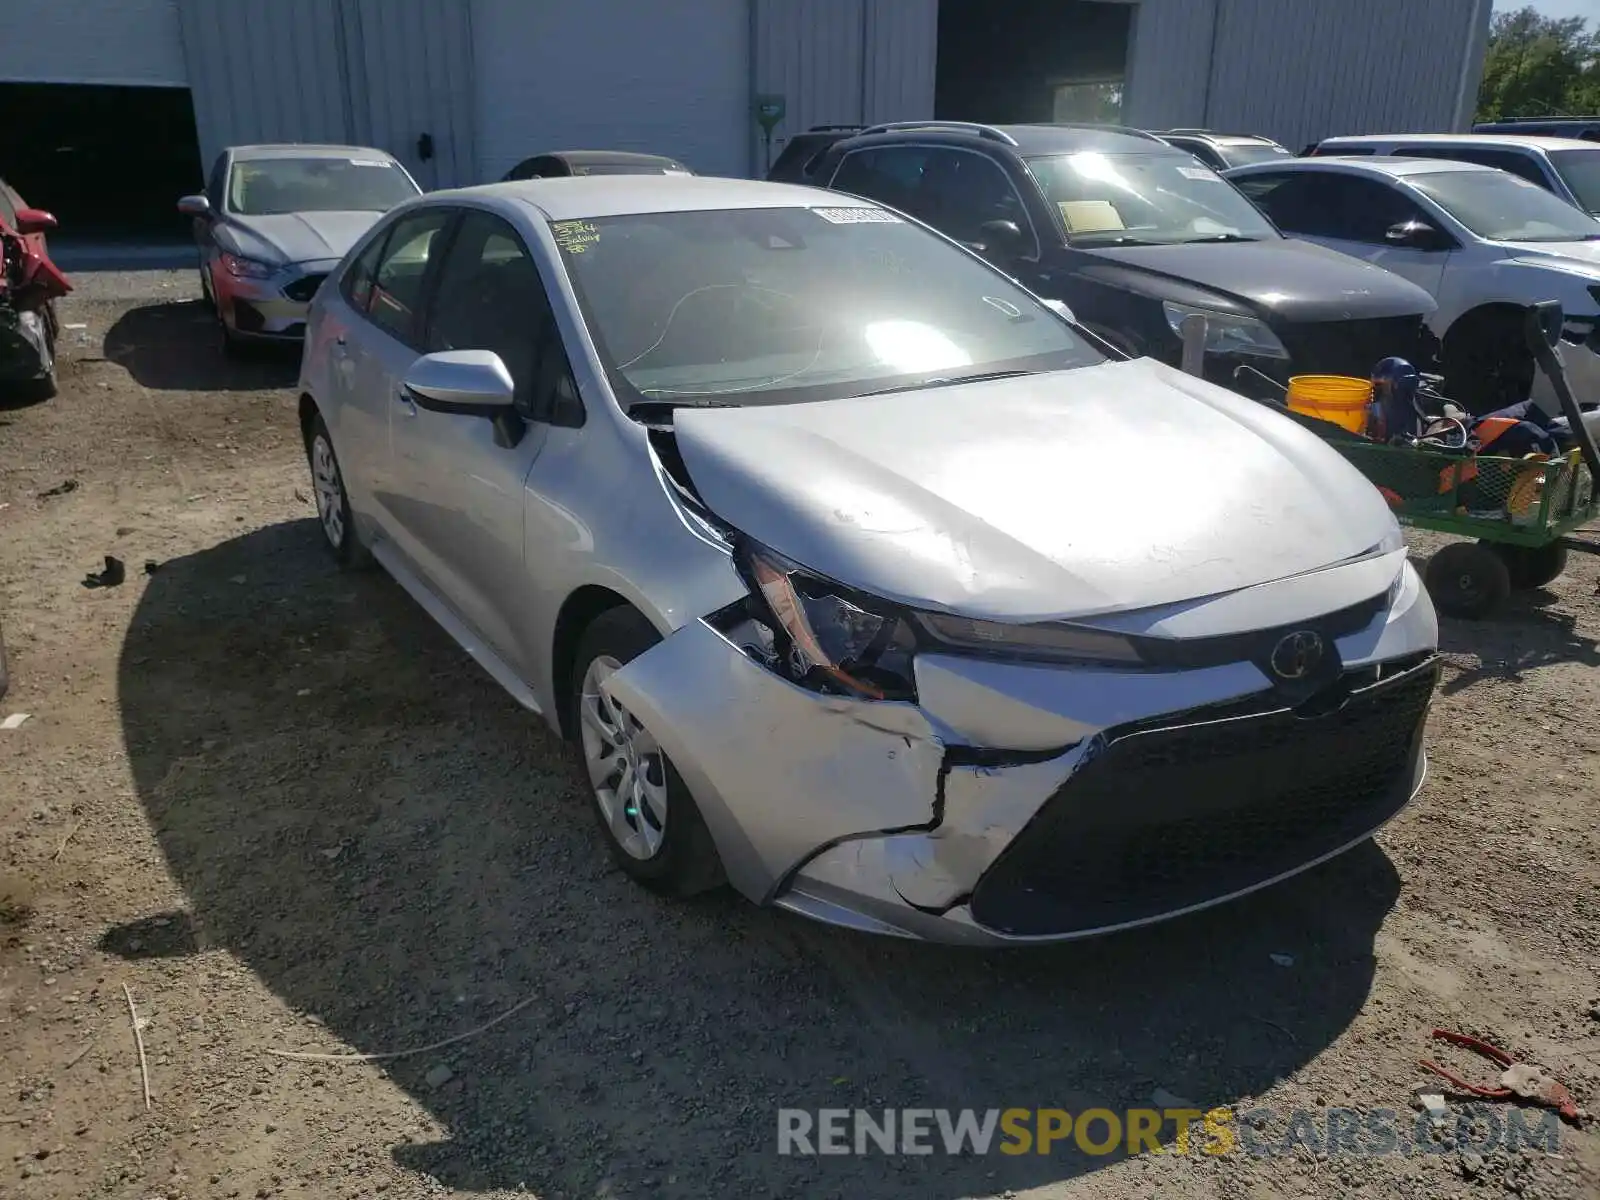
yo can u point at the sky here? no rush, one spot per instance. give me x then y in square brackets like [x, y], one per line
[1555, 8]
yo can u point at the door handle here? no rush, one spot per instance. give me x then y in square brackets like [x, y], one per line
[406, 403]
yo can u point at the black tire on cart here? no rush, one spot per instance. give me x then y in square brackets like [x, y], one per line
[1468, 579]
[1531, 566]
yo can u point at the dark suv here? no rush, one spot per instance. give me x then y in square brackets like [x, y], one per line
[1135, 235]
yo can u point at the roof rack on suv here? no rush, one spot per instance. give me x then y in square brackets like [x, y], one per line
[983, 131]
[831, 128]
[1184, 131]
[1126, 130]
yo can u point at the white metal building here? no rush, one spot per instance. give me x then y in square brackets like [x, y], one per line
[493, 81]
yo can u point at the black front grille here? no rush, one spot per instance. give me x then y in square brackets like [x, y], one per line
[1355, 347]
[304, 288]
[1167, 816]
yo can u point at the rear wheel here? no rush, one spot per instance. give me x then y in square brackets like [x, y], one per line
[652, 828]
[1468, 579]
[333, 502]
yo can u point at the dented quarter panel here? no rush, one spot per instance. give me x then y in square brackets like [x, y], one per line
[777, 771]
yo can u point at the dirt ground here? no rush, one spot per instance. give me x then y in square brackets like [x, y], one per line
[277, 805]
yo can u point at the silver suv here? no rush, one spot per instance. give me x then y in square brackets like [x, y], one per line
[1566, 166]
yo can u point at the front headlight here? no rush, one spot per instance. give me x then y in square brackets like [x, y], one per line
[1226, 333]
[247, 268]
[827, 637]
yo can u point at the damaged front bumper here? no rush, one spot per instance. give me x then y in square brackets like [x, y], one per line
[1024, 803]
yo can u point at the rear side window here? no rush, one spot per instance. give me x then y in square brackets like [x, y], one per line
[1327, 151]
[1525, 166]
[396, 294]
[891, 175]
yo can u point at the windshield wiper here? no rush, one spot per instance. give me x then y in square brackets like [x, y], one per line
[1220, 237]
[949, 381]
[1113, 239]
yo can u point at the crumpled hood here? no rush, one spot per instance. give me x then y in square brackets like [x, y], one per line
[1283, 277]
[1125, 485]
[300, 237]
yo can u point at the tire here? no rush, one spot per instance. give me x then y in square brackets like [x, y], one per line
[1467, 579]
[1487, 362]
[232, 345]
[1532, 567]
[334, 514]
[206, 297]
[659, 839]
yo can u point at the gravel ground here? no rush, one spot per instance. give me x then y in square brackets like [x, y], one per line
[284, 811]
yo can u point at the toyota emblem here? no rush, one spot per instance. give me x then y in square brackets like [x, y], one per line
[1297, 655]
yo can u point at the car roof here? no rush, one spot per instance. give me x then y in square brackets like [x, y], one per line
[1395, 166]
[584, 196]
[1027, 140]
[1486, 140]
[591, 158]
[306, 150]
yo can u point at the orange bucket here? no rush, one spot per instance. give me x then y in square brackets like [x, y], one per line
[1341, 399]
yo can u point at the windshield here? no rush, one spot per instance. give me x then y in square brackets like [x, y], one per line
[264, 187]
[1505, 208]
[1242, 154]
[1146, 199]
[1581, 170]
[772, 305]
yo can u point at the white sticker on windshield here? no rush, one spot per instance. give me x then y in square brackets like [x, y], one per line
[368, 162]
[857, 216]
[1199, 173]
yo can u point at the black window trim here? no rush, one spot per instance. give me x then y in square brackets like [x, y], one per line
[1038, 242]
[430, 272]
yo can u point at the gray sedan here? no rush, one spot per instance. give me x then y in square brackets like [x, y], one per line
[274, 220]
[855, 576]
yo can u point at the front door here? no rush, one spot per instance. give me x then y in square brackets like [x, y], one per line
[463, 476]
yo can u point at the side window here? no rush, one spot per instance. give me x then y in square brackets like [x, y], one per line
[214, 182]
[490, 297]
[356, 286]
[891, 175]
[1363, 210]
[396, 299]
[961, 191]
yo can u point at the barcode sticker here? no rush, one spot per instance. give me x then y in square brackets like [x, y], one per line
[857, 216]
[1200, 173]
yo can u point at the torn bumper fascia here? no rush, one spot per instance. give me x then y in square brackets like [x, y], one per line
[882, 816]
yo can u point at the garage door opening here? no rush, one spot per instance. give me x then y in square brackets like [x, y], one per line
[110, 162]
[1031, 60]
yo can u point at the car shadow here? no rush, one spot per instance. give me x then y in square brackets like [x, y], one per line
[176, 347]
[368, 823]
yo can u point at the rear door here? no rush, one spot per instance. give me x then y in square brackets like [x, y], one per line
[378, 350]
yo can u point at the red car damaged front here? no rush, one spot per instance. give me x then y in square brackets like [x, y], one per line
[29, 284]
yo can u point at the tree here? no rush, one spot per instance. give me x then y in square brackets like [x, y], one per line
[1539, 66]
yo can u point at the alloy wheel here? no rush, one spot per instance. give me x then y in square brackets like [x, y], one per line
[627, 769]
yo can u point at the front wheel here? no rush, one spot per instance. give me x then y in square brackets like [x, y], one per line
[1468, 579]
[1488, 364]
[652, 828]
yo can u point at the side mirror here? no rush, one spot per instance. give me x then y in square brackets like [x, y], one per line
[195, 206]
[466, 382]
[1416, 235]
[1002, 238]
[35, 220]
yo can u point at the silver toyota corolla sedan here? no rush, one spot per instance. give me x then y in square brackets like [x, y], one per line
[274, 220]
[856, 576]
